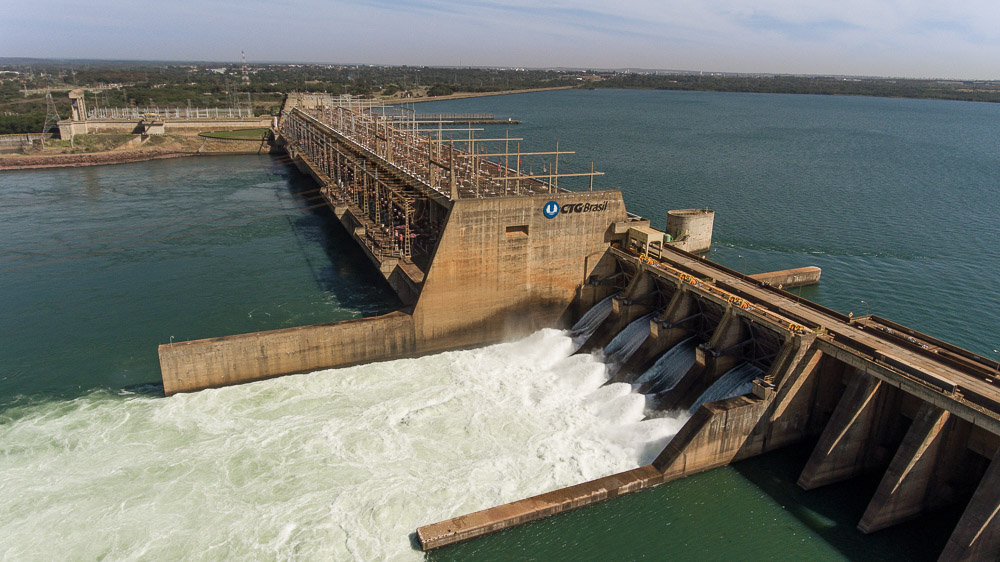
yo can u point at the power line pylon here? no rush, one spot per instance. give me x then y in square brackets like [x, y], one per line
[243, 69]
[51, 115]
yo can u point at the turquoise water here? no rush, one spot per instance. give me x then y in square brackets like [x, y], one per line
[894, 199]
[100, 265]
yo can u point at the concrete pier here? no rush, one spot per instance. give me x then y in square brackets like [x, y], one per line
[210, 363]
[842, 448]
[790, 278]
[903, 492]
[977, 535]
[530, 509]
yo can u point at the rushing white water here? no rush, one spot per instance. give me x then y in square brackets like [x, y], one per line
[337, 465]
[736, 382]
[590, 321]
[670, 367]
[628, 340]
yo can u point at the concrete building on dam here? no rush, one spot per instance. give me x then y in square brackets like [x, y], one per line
[481, 250]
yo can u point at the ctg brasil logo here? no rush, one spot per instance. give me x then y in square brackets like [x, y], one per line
[550, 210]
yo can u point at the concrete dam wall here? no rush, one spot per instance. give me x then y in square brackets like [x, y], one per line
[223, 361]
[500, 270]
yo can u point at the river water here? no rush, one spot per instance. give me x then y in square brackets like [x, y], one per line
[893, 199]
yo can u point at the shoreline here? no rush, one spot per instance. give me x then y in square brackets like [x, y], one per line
[38, 162]
[108, 157]
[465, 95]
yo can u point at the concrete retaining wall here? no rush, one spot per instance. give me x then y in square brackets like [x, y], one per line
[790, 278]
[199, 364]
[530, 509]
[11, 143]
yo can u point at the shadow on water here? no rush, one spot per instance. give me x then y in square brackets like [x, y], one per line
[345, 259]
[832, 512]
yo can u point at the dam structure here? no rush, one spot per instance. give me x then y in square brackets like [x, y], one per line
[153, 120]
[480, 250]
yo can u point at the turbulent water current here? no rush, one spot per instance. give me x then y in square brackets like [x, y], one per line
[336, 465]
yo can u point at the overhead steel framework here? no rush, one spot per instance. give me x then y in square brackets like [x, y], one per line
[399, 179]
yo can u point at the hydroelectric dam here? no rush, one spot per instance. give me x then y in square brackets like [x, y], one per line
[480, 250]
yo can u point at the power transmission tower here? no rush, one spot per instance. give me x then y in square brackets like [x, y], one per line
[51, 115]
[243, 69]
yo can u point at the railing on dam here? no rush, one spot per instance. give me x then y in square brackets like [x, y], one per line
[455, 116]
[136, 113]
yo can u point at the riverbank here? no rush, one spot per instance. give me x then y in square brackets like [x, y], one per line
[156, 148]
[464, 95]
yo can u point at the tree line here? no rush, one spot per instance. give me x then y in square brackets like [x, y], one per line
[220, 84]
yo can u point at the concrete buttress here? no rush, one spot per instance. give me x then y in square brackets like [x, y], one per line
[625, 308]
[977, 536]
[841, 449]
[661, 338]
[903, 492]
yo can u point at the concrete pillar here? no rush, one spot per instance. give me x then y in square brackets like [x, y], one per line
[903, 492]
[730, 332]
[623, 311]
[660, 339]
[598, 266]
[716, 435]
[691, 229]
[707, 368]
[842, 446]
[793, 402]
[977, 536]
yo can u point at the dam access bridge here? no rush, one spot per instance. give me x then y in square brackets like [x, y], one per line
[480, 251]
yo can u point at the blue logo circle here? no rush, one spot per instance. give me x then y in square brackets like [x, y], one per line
[550, 210]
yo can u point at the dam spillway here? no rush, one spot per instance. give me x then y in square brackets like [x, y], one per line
[497, 253]
[870, 398]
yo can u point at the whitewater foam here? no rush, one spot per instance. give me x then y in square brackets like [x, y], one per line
[340, 464]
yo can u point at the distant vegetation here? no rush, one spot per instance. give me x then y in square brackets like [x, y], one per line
[177, 85]
[21, 123]
[987, 91]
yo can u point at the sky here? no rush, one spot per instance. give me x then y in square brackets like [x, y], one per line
[913, 38]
